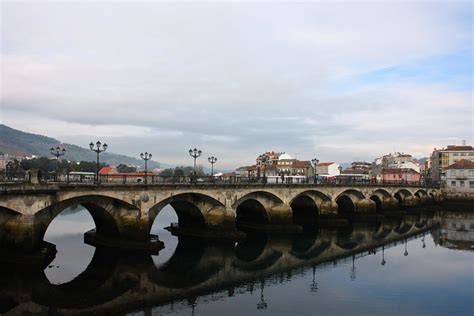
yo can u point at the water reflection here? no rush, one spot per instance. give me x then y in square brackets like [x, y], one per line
[372, 267]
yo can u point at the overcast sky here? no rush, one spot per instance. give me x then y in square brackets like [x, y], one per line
[339, 82]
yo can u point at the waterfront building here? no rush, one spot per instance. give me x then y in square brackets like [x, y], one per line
[111, 174]
[279, 163]
[442, 158]
[400, 175]
[396, 160]
[327, 169]
[459, 180]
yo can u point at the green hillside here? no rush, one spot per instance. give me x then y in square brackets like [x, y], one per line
[18, 143]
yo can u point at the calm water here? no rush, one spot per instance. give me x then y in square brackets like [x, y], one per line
[426, 271]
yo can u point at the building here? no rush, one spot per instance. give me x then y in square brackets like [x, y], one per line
[3, 161]
[459, 180]
[110, 174]
[327, 169]
[399, 175]
[393, 161]
[278, 164]
[360, 165]
[442, 158]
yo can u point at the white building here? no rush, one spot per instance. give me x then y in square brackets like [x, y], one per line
[327, 169]
[460, 180]
[394, 161]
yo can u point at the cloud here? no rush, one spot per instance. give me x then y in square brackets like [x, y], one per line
[237, 78]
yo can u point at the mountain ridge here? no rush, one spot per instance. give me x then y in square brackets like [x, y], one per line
[19, 143]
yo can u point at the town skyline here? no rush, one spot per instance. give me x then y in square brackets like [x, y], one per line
[161, 77]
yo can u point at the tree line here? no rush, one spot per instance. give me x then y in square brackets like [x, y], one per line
[45, 164]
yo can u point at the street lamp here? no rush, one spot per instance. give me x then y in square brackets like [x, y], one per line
[314, 284]
[315, 164]
[212, 160]
[406, 251]
[98, 150]
[383, 256]
[57, 152]
[146, 156]
[353, 270]
[262, 304]
[195, 153]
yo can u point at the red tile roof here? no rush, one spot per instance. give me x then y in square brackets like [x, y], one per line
[107, 170]
[459, 148]
[462, 164]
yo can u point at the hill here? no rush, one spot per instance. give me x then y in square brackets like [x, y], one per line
[19, 143]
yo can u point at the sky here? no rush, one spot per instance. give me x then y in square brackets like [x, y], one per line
[337, 81]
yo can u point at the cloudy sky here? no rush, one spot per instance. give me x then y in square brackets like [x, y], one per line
[337, 81]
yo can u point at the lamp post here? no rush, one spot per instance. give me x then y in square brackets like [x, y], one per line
[98, 150]
[314, 284]
[57, 152]
[212, 160]
[406, 251]
[315, 164]
[146, 156]
[195, 153]
[262, 304]
[383, 256]
[353, 270]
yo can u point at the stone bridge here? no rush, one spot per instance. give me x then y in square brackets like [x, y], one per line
[117, 282]
[124, 214]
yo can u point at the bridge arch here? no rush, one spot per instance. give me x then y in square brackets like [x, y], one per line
[401, 195]
[378, 197]
[105, 211]
[306, 207]
[253, 207]
[102, 281]
[191, 208]
[347, 201]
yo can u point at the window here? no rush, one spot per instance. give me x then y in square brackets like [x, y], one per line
[463, 154]
[471, 226]
[453, 183]
[461, 184]
[456, 154]
[471, 184]
[453, 225]
[471, 154]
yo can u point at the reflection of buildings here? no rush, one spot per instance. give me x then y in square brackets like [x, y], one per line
[200, 270]
[457, 231]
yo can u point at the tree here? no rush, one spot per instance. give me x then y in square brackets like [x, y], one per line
[123, 168]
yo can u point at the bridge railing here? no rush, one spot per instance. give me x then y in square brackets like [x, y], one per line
[138, 179]
[15, 176]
